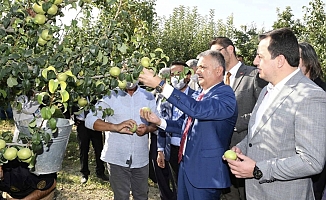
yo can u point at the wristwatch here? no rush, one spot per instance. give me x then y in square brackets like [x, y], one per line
[257, 173]
[159, 88]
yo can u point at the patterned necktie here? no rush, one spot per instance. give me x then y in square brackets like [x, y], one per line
[227, 80]
[185, 132]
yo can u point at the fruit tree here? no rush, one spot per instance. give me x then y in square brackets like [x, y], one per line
[61, 66]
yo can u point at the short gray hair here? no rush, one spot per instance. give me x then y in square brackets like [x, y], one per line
[192, 63]
[216, 55]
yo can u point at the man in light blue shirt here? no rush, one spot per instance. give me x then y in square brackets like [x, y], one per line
[125, 152]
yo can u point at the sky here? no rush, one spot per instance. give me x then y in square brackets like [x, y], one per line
[261, 12]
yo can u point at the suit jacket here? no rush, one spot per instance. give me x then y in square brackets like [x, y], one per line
[289, 142]
[209, 136]
[247, 87]
[164, 138]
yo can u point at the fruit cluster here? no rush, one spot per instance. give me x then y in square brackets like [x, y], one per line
[42, 9]
[8, 153]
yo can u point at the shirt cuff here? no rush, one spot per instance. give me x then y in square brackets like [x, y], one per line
[163, 124]
[160, 149]
[90, 120]
[167, 91]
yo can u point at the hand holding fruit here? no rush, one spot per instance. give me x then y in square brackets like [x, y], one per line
[147, 114]
[229, 154]
[125, 127]
[141, 130]
[148, 79]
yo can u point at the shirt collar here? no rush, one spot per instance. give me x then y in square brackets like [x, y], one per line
[234, 69]
[206, 91]
[281, 84]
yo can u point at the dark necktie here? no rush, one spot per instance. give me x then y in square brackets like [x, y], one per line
[185, 132]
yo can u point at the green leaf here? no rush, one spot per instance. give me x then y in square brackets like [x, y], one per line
[122, 48]
[11, 81]
[40, 97]
[63, 85]
[152, 55]
[53, 85]
[47, 137]
[64, 96]
[14, 56]
[28, 53]
[53, 108]
[45, 73]
[159, 49]
[4, 93]
[52, 123]
[99, 56]
[105, 60]
[94, 50]
[32, 124]
[46, 113]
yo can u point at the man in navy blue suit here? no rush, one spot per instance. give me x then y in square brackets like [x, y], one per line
[167, 166]
[210, 121]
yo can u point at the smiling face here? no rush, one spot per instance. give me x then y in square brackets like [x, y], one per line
[265, 64]
[209, 72]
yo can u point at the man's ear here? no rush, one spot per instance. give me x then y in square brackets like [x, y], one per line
[280, 61]
[220, 70]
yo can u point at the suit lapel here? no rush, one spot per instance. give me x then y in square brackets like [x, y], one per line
[277, 102]
[238, 77]
[254, 111]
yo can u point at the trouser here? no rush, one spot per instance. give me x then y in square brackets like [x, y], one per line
[122, 179]
[186, 191]
[152, 156]
[85, 136]
[236, 191]
[319, 181]
[174, 161]
[47, 197]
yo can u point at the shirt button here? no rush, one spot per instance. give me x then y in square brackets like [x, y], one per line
[250, 145]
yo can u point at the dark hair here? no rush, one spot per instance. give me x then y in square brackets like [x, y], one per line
[216, 55]
[223, 41]
[181, 63]
[283, 42]
[310, 60]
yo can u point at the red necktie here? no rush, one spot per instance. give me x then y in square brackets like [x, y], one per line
[185, 132]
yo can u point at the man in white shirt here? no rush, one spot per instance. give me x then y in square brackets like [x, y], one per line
[285, 144]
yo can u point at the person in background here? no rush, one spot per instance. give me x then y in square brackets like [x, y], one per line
[245, 82]
[240, 58]
[19, 183]
[126, 139]
[6, 113]
[84, 137]
[193, 83]
[206, 131]
[285, 144]
[310, 66]
[168, 143]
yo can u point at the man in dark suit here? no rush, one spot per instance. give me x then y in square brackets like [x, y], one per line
[211, 116]
[168, 143]
[247, 86]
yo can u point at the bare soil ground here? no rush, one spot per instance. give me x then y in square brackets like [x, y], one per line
[69, 186]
